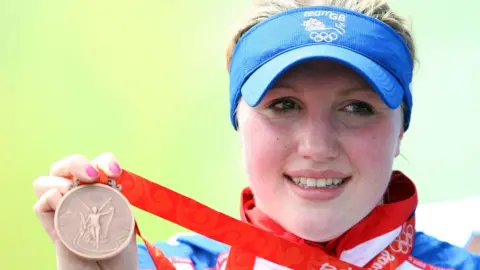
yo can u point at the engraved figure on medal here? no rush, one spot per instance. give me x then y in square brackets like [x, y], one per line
[95, 221]
[90, 227]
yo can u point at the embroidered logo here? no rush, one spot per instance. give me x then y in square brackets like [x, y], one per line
[404, 243]
[327, 266]
[319, 32]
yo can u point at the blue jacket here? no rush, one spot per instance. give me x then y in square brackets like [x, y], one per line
[202, 253]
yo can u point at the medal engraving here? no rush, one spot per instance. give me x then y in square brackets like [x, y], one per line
[94, 221]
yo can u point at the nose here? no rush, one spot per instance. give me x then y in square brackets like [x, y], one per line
[318, 140]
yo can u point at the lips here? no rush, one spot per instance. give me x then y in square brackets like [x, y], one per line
[318, 183]
[315, 174]
[309, 182]
[317, 189]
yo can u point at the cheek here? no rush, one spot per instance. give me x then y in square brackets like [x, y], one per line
[376, 148]
[371, 153]
[265, 151]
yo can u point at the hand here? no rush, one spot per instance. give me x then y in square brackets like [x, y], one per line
[49, 191]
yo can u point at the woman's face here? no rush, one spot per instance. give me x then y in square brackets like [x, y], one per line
[319, 149]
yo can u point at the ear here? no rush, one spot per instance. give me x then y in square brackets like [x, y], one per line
[399, 141]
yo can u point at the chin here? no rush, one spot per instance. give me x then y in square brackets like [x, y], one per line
[310, 227]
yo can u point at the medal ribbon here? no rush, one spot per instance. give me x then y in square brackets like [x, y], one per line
[247, 242]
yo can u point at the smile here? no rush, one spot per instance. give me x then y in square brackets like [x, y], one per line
[307, 182]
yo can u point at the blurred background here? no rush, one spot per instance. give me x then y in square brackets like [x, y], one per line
[146, 80]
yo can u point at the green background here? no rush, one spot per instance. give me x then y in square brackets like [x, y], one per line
[146, 80]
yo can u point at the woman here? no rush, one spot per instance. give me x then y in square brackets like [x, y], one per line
[320, 96]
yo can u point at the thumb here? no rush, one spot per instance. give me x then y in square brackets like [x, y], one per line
[45, 207]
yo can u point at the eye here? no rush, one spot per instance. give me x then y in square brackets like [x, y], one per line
[284, 105]
[359, 108]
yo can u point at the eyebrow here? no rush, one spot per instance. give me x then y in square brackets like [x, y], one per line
[349, 91]
[282, 84]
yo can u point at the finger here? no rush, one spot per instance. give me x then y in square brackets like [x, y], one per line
[46, 183]
[48, 201]
[45, 207]
[108, 163]
[77, 166]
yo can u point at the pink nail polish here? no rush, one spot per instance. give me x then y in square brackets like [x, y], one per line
[115, 168]
[91, 171]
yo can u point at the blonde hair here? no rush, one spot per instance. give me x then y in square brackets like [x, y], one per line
[378, 9]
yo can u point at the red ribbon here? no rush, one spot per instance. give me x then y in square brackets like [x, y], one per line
[247, 241]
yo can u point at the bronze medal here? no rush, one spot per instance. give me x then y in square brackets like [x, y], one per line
[95, 221]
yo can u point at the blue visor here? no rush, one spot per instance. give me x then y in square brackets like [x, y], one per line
[370, 47]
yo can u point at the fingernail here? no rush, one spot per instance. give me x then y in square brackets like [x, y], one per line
[91, 171]
[115, 168]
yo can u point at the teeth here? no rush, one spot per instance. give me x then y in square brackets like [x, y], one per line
[318, 183]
